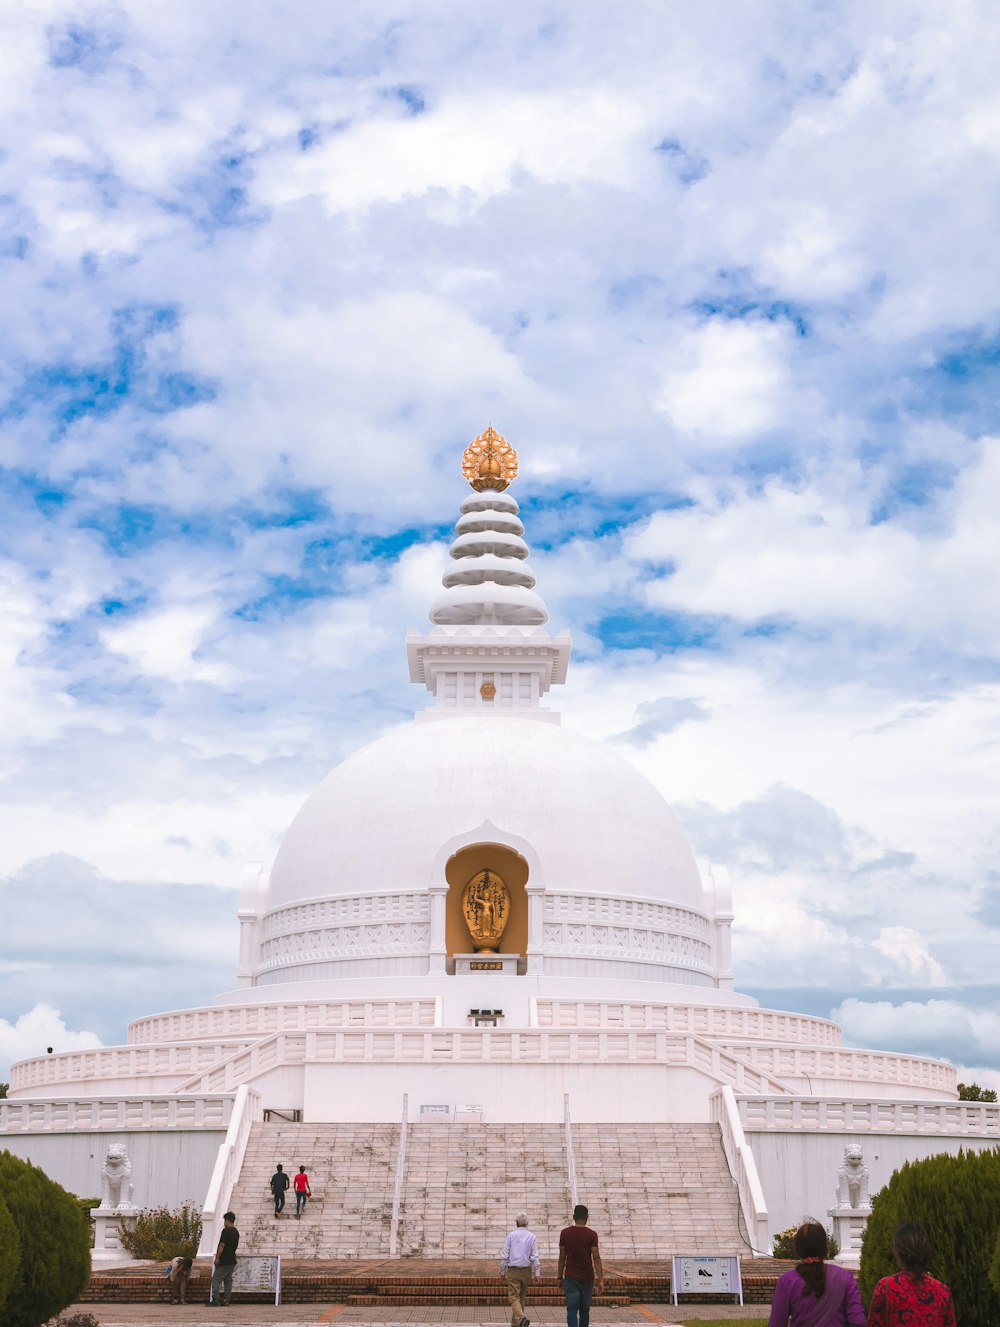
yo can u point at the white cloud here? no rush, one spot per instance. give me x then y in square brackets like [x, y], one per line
[951, 1029]
[469, 148]
[164, 643]
[811, 552]
[732, 380]
[36, 1030]
[254, 309]
[909, 951]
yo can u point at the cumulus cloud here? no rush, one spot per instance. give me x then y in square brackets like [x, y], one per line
[954, 1030]
[35, 1031]
[909, 950]
[101, 949]
[661, 716]
[733, 380]
[258, 296]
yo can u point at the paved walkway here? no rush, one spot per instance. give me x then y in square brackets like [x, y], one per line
[307, 1315]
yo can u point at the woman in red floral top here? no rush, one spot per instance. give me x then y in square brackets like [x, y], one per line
[911, 1298]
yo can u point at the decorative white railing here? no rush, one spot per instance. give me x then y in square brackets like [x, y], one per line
[259, 1020]
[845, 1115]
[121, 1062]
[743, 1168]
[860, 1066]
[247, 1110]
[766, 1025]
[483, 1046]
[94, 1114]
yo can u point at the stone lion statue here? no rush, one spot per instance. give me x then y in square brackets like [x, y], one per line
[852, 1178]
[116, 1178]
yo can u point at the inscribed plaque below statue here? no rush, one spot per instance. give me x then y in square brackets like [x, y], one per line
[486, 907]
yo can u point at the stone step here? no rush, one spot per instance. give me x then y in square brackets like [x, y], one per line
[649, 1188]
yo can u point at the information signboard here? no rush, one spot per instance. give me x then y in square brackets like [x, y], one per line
[711, 1275]
[258, 1276]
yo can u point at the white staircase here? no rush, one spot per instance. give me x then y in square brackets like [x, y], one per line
[657, 1189]
[466, 1183]
[652, 1189]
[352, 1174]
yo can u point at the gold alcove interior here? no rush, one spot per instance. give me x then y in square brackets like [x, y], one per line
[513, 870]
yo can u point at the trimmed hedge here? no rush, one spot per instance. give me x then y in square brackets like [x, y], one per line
[55, 1244]
[10, 1252]
[957, 1199]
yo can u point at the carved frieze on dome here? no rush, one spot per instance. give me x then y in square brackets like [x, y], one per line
[627, 943]
[358, 909]
[380, 940]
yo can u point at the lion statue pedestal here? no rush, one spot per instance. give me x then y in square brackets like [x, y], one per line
[116, 1206]
[850, 1216]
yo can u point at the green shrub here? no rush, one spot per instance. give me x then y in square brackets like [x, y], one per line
[973, 1092]
[86, 1205]
[55, 1244]
[162, 1234]
[783, 1244]
[957, 1198]
[10, 1252]
[76, 1320]
[995, 1268]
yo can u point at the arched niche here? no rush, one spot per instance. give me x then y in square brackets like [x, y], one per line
[512, 869]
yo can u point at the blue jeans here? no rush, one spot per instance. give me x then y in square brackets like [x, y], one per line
[578, 1296]
[300, 1200]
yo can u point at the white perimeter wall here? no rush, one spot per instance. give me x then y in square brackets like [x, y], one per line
[508, 1093]
[168, 1166]
[798, 1171]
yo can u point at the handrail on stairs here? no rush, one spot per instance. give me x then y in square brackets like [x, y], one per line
[246, 1110]
[570, 1159]
[397, 1192]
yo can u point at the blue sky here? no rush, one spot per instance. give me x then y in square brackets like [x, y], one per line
[726, 276]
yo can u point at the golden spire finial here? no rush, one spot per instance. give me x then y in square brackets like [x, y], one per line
[489, 461]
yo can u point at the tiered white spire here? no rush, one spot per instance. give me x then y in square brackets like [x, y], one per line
[488, 651]
[491, 583]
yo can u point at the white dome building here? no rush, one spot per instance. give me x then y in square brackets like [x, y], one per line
[481, 916]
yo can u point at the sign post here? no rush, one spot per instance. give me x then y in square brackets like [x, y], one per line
[258, 1276]
[693, 1275]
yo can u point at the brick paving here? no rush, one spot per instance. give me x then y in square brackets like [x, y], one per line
[438, 1290]
[308, 1315]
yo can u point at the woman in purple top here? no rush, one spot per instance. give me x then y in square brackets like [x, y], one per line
[812, 1294]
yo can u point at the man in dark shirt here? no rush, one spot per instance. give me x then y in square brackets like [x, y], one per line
[579, 1260]
[225, 1261]
[279, 1183]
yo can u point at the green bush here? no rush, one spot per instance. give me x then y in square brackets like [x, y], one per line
[10, 1252]
[783, 1244]
[973, 1092]
[995, 1268]
[55, 1244]
[162, 1234]
[957, 1198]
[76, 1320]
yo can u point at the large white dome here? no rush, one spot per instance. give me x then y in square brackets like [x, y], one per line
[382, 818]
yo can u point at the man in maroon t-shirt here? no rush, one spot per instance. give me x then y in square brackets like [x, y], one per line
[579, 1260]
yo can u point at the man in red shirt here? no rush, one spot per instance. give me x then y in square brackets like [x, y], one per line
[579, 1260]
[302, 1190]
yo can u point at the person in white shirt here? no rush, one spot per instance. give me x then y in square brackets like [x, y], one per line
[517, 1263]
